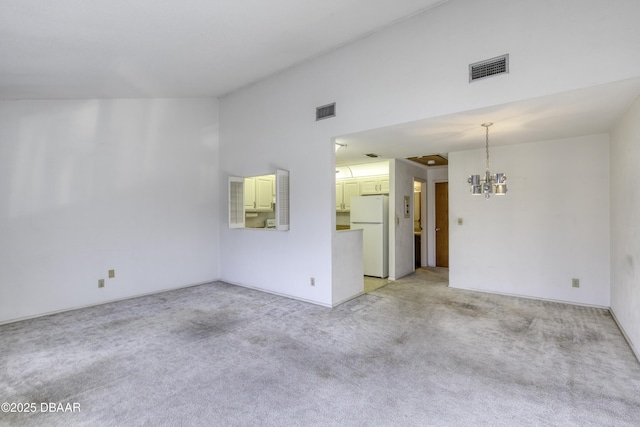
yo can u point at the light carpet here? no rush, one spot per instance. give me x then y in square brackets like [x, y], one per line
[412, 353]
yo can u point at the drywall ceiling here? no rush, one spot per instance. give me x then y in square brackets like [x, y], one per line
[164, 48]
[587, 111]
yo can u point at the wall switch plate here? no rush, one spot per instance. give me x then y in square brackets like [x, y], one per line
[112, 274]
[407, 207]
[101, 283]
[313, 281]
[575, 283]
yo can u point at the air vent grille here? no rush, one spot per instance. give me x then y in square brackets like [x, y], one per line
[489, 67]
[326, 111]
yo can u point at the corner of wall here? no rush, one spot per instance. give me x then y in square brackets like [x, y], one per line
[624, 156]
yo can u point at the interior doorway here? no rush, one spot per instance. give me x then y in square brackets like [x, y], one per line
[442, 224]
[419, 191]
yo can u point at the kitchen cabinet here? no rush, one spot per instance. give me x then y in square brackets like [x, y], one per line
[259, 193]
[345, 190]
[374, 185]
[250, 193]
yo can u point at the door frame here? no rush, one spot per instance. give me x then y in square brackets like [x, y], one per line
[423, 220]
[431, 221]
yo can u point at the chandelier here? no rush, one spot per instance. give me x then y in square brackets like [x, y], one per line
[488, 184]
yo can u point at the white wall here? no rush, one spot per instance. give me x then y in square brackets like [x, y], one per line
[552, 226]
[419, 68]
[92, 185]
[401, 236]
[348, 277]
[625, 224]
[410, 71]
[127, 184]
[257, 138]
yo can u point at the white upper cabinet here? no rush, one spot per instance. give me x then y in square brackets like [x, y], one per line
[259, 193]
[350, 187]
[345, 189]
[374, 185]
[250, 194]
[265, 193]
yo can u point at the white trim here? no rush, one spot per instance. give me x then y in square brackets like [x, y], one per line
[80, 307]
[256, 288]
[335, 304]
[423, 220]
[530, 297]
[235, 202]
[282, 200]
[624, 334]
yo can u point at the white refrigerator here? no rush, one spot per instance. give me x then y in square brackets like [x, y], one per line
[371, 215]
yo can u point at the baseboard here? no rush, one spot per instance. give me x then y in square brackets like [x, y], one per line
[257, 288]
[624, 334]
[64, 310]
[335, 304]
[613, 315]
[604, 307]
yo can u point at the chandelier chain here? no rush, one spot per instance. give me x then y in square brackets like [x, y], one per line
[487, 146]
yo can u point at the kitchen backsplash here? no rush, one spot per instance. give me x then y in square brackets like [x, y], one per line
[257, 221]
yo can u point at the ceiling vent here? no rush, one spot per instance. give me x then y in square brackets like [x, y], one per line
[326, 111]
[489, 67]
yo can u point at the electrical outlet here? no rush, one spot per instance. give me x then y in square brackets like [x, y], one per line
[101, 283]
[575, 283]
[112, 274]
[313, 281]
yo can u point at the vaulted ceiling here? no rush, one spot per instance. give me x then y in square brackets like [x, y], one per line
[208, 48]
[165, 48]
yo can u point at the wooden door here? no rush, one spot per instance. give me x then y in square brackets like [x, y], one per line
[442, 224]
